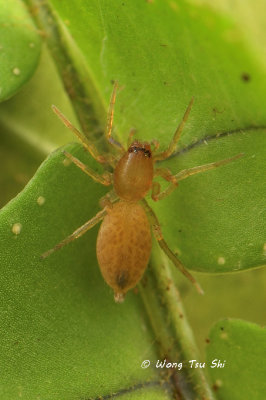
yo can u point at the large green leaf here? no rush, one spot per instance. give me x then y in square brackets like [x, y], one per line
[249, 16]
[163, 53]
[20, 47]
[242, 346]
[59, 312]
[62, 334]
[226, 296]
[29, 133]
[35, 124]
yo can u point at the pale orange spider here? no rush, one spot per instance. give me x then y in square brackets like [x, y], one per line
[124, 239]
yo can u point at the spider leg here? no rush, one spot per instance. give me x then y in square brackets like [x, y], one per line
[84, 140]
[185, 173]
[132, 132]
[78, 232]
[172, 146]
[156, 144]
[107, 200]
[110, 117]
[166, 174]
[104, 179]
[155, 190]
[164, 246]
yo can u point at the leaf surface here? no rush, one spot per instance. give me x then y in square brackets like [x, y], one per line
[242, 346]
[59, 320]
[20, 47]
[63, 335]
[162, 54]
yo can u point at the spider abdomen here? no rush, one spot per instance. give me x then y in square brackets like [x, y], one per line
[124, 246]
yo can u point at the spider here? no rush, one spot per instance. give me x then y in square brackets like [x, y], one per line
[124, 240]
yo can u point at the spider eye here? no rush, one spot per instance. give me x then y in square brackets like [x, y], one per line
[147, 153]
[135, 148]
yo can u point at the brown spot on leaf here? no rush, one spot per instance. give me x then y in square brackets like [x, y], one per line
[245, 77]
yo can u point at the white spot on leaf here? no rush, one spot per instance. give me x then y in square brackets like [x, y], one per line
[66, 162]
[16, 228]
[221, 260]
[224, 335]
[218, 383]
[16, 71]
[41, 200]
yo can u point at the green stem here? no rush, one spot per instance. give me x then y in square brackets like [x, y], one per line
[172, 330]
[161, 299]
[91, 114]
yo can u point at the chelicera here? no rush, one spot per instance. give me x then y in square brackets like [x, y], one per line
[124, 240]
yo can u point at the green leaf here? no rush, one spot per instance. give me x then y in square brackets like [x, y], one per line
[18, 164]
[249, 17]
[36, 124]
[60, 312]
[225, 296]
[163, 53]
[242, 346]
[62, 334]
[20, 47]
[29, 133]
[214, 220]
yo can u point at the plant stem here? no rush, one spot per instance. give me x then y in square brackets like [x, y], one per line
[71, 69]
[172, 329]
[165, 311]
